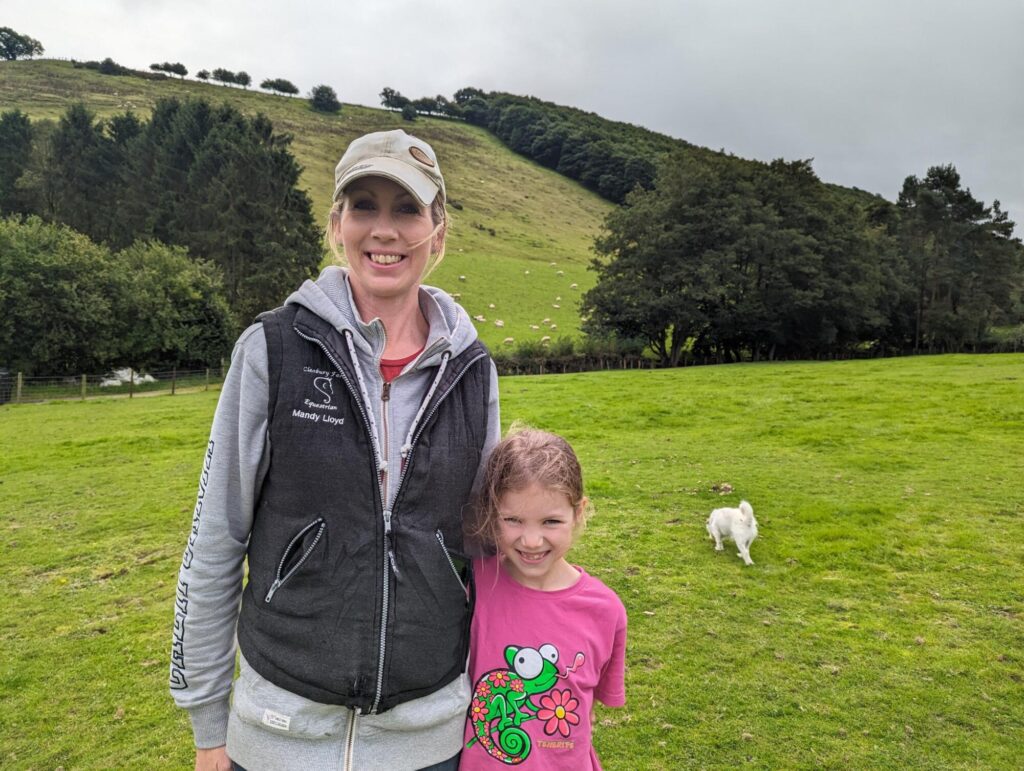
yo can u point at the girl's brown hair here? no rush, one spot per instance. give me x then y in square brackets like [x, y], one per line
[524, 457]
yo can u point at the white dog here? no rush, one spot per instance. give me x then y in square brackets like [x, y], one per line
[737, 524]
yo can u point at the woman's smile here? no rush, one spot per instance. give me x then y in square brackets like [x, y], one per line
[387, 226]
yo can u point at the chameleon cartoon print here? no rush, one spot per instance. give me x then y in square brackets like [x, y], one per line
[502, 702]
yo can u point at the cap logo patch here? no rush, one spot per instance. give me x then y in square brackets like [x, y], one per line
[421, 156]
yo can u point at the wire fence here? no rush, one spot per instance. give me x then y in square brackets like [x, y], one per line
[18, 388]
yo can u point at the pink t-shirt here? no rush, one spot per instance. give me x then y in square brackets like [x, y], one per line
[538, 660]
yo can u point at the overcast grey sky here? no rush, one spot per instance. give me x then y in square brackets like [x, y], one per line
[873, 90]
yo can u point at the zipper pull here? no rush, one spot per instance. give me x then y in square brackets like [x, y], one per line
[390, 540]
[273, 588]
[385, 393]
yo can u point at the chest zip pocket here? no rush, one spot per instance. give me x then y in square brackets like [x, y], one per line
[448, 556]
[292, 553]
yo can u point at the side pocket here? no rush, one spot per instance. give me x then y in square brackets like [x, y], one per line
[459, 565]
[298, 551]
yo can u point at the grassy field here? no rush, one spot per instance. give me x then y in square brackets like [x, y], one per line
[881, 627]
[537, 217]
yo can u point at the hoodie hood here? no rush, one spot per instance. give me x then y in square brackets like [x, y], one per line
[330, 298]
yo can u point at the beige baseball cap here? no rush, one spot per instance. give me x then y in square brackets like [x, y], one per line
[394, 155]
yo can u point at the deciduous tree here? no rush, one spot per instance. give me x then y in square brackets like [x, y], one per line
[964, 262]
[279, 85]
[60, 295]
[324, 99]
[222, 75]
[17, 46]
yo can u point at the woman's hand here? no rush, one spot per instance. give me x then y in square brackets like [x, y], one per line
[213, 759]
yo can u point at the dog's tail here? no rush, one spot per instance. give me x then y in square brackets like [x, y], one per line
[748, 511]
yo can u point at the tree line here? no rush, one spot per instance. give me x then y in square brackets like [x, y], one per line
[14, 45]
[723, 261]
[73, 305]
[608, 157]
[218, 185]
[714, 257]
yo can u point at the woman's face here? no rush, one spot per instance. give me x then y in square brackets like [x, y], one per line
[386, 235]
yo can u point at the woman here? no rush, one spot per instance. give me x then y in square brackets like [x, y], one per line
[352, 425]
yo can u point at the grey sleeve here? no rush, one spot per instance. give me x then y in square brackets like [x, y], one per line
[210, 579]
[493, 423]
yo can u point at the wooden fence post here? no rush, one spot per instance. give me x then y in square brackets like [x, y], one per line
[131, 383]
[207, 379]
[174, 379]
[17, 391]
[83, 388]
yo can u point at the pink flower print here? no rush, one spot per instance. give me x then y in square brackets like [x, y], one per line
[516, 685]
[556, 709]
[483, 688]
[478, 711]
[499, 678]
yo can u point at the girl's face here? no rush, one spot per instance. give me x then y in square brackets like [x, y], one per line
[386, 235]
[535, 530]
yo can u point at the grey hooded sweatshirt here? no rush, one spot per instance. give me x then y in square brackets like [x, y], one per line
[265, 726]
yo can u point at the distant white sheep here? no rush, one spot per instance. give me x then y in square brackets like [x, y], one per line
[456, 295]
[554, 326]
[491, 306]
[555, 305]
[534, 326]
[462, 278]
[560, 273]
[479, 318]
[545, 321]
[546, 339]
[508, 341]
[574, 286]
[499, 323]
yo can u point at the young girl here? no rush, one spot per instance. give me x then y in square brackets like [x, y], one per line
[547, 638]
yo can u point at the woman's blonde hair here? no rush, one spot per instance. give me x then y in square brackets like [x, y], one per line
[524, 457]
[438, 213]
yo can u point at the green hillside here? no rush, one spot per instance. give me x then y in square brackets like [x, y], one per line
[537, 216]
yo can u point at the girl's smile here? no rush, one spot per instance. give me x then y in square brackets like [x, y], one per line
[536, 529]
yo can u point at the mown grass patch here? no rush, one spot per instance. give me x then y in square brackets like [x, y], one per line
[881, 627]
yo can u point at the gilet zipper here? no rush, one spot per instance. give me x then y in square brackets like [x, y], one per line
[278, 578]
[386, 514]
[385, 594]
[440, 540]
[398, 489]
